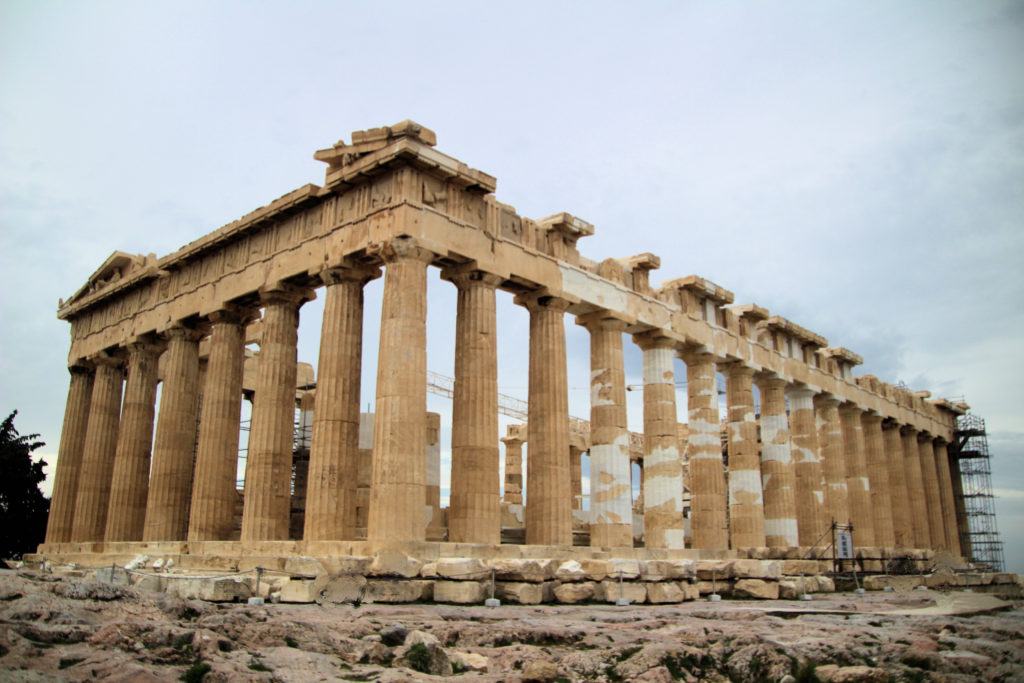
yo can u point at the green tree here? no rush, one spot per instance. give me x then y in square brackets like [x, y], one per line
[23, 507]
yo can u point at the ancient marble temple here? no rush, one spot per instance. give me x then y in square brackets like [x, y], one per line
[134, 473]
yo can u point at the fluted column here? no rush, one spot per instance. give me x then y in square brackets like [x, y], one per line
[662, 467]
[611, 500]
[962, 531]
[129, 484]
[708, 525]
[549, 492]
[266, 514]
[858, 486]
[474, 515]
[830, 438]
[811, 520]
[915, 489]
[513, 470]
[946, 496]
[777, 474]
[746, 500]
[878, 475]
[216, 470]
[334, 447]
[93, 497]
[932, 500]
[69, 455]
[170, 481]
[399, 473]
[899, 497]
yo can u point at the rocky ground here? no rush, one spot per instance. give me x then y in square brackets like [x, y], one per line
[75, 630]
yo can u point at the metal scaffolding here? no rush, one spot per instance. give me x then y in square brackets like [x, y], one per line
[971, 469]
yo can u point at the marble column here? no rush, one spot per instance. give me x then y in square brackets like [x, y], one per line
[576, 474]
[932, 500]
[549, 491]
[915, 489]
[474, 513]
[266, 513]
[611, 496]
[830, 439]
[662, 467]
[777, 473]
[513, 470]
[946, 496]
[216, 469]
[69, 455]
[858, 486]
[331, 486]
[878, 475]
[398, 510]
[129, 484]
[899, 496]
[746, 500]
[92, 501]
[811, 519]
[962, 530]
[708, 525]
[170, 481]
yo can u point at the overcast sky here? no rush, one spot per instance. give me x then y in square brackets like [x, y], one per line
[855, 167]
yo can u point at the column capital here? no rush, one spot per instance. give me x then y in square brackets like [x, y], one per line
[541, 300]
[512, 440]
[923, 436]
[850, 408]
[348, 271]
[111, 358]
[654, 339]
[696, 354]
[827, 399]
[81, 366]
[401, 248]
[466, 275]
[602, 320]
[770, 381]
[890, 423]
[871, 417]
[237, 314]
[802, 391]
[908, 430]
[186, 331]
[940, 441]
[285, 293]
[736, 368]
[145, 345]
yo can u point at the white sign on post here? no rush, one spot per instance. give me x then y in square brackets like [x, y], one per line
[844, 545]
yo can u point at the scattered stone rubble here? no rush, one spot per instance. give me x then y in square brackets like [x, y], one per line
[56, 628]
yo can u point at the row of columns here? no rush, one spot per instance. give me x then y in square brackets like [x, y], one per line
[818, 462]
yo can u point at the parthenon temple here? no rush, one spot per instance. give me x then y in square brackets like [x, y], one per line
[819, 446]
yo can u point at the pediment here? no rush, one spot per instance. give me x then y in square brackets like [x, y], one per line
[117, 267]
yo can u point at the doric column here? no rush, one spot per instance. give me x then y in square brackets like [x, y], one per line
[962, 531]
[946, 496]
[549, 492]
[90, 520]
[746, 501]
[576, 476]
[662, 468]
[858, 487]
[216, 469]
[915, 489]
[69, 455]
[334, 446]
[513, 470]
[811, 520]
[398, 509]
[878, 475]
[708, 524]
[903, 530]
[170, 481]
[611, 499]
[129, 484]
[932, 500]
[266, 514]
[474, 514]
[830, 438]
[896, 474]
[777, 475]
